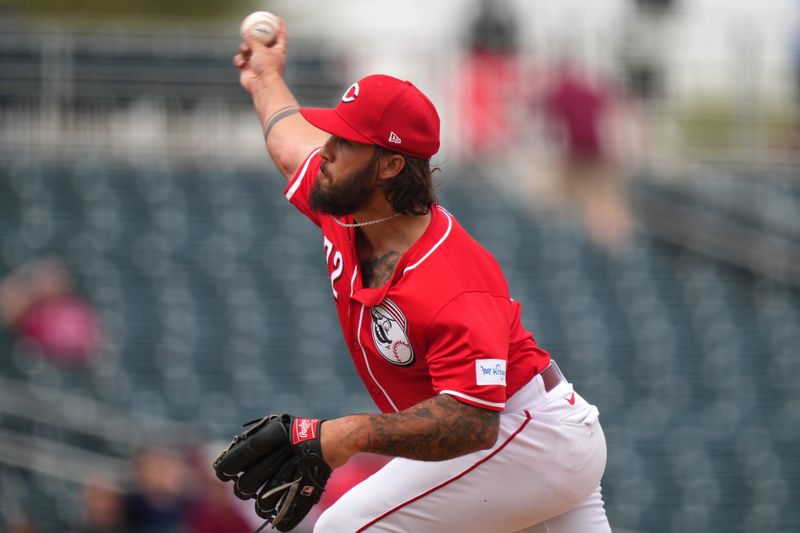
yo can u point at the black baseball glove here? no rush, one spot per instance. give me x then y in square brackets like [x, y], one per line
[278, 462]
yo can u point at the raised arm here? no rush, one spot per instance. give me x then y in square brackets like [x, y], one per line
[433, 430]
[288, 136]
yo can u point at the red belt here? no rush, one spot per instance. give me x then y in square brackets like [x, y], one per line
[551, 376]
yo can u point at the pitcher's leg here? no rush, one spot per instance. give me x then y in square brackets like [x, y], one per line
[520, 481]
[589, 516]
[474, 493]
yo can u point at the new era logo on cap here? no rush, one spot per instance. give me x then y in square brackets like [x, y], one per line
[385, 111]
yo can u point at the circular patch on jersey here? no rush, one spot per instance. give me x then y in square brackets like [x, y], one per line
[390, 333]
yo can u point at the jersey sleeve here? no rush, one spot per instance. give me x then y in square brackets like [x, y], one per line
[299, 187]
[468, 349]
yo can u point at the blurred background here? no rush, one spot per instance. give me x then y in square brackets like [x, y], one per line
[633, 165]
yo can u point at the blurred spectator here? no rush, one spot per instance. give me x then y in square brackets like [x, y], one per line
[213, 508]
[490, 79]
[493, 29]
[578, 110]
[103, 509]
[39, 305]
[159, 500]
[645, 42]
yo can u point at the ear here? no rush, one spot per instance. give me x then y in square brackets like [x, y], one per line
[390, 166]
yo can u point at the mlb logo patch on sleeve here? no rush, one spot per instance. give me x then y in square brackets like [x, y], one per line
[490, 372]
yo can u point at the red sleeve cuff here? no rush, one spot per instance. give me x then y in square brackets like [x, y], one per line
[477, 402]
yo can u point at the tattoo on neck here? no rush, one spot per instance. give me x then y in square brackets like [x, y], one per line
[378, 270]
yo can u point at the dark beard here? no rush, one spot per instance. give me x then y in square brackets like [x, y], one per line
[351, 194]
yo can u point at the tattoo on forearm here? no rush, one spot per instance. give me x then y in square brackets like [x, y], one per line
[377, 271]
[434, 430]
[277, 116]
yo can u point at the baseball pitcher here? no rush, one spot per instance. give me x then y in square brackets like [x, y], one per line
[486, 433]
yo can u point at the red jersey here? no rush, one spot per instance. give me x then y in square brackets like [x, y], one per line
[443, 324]
[579, 106]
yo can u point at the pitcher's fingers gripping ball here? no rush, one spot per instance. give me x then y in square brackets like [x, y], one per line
[278, 462]
[262, 25]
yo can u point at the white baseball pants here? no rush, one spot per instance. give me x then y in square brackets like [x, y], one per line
[542, 476]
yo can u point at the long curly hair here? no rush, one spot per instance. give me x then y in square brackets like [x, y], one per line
[412, 191]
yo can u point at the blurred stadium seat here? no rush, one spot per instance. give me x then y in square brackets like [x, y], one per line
[215, 297]
[217, 304]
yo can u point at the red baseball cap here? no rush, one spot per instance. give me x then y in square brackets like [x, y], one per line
[382, 110]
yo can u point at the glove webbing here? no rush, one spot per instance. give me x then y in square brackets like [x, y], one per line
[283, 509]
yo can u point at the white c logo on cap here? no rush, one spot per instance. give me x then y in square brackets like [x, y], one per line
[351, 93]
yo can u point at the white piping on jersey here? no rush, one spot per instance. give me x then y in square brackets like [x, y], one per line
[435, 246]
[366, 362]
[473, 399]
[302, 175]
[352, 290]
[353, 281]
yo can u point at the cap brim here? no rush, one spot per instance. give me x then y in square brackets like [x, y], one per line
[330, 121]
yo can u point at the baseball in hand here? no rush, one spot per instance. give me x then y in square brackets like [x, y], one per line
[262, 25]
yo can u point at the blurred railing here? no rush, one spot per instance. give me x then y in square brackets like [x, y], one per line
[53, 459]
[769, 250]
[38, 423]
[140, 90]
[137, 91]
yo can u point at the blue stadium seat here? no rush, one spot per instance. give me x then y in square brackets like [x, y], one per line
[214, 292]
